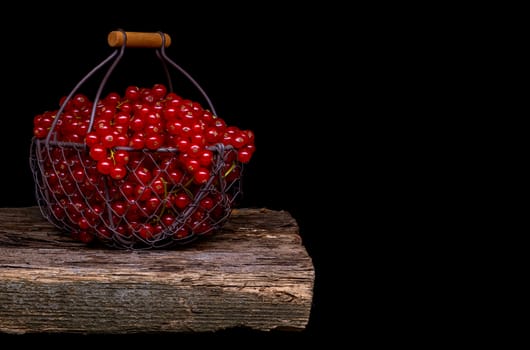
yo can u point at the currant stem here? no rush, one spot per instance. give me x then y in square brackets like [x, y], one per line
[230, 169]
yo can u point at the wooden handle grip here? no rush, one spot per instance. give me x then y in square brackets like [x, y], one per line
[138, 39]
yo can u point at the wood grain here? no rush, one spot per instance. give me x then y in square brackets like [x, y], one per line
[138, 39]
[255, 273]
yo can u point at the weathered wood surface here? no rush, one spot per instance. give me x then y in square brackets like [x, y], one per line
[255, 273]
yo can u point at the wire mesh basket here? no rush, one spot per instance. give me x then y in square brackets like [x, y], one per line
[146, 170]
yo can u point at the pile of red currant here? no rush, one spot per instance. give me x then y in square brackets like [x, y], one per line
[146, 168]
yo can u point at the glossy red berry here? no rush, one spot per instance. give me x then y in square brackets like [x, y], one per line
[142, 162]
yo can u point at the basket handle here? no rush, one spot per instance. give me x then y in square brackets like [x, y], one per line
[116, 38]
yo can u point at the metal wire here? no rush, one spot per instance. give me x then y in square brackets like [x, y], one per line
[162, 54]
[85, 202]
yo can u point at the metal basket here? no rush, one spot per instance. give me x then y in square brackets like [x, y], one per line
[157, 204]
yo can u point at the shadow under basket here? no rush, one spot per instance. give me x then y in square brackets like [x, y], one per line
[158, 204]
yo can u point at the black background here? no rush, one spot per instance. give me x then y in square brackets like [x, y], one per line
[265, 68]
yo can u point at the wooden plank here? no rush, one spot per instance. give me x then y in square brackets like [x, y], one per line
[255, 273]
